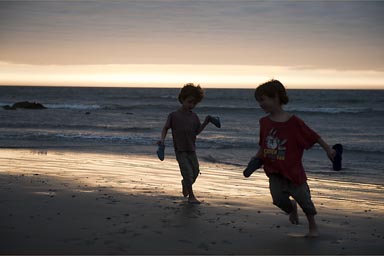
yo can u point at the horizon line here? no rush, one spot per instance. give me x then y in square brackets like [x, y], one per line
[290, 87]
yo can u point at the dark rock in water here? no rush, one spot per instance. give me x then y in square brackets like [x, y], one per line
[29, 105]
[25, 104]
[7, 107]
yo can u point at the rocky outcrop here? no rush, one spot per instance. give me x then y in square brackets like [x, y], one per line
[25, 104]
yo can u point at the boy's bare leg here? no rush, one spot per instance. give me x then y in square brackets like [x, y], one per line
[293, 216]
[192, 199]
[185, 190]
[313, 231]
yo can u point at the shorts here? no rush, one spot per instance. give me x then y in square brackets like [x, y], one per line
[189, 166]
[282, 188]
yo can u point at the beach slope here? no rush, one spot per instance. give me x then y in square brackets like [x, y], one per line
[56, 202]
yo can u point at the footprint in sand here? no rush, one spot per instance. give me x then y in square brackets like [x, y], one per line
[203, 246]
[184, 241]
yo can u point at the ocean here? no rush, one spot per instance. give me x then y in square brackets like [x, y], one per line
[129, 121]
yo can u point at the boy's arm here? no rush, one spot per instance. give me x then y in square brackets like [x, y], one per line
[330, 151]
[258, 154]
[164, 132]
[163, 135]
[203, 125]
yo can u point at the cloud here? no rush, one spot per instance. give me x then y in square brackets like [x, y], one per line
[322, 34]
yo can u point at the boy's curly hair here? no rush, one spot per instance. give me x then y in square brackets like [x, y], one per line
[272, 89]
[191, 90]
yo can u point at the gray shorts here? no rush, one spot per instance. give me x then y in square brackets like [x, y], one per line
[189, 166]
[282, 188]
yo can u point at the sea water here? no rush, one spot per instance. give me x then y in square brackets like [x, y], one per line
[129, 121]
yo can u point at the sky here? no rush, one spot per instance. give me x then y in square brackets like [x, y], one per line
[215, 43]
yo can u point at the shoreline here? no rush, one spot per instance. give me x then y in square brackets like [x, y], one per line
[315, 162]
[70, 202]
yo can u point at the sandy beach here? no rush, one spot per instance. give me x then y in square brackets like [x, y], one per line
[66, 202]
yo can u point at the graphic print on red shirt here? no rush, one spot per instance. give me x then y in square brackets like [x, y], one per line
[282, 146]
[275, 146]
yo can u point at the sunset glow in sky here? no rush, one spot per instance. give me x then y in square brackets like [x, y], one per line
[305, 44]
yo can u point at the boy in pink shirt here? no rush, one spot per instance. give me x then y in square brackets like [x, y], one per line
[185, 126]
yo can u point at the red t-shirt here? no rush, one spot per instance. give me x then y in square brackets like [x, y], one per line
[282, 145]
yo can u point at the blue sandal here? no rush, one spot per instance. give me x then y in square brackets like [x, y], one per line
[215, 121]
[336, 163]
[160, 151]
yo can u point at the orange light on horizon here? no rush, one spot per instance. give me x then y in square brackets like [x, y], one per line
[210, 76]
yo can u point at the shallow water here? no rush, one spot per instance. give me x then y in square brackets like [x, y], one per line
[129, 121]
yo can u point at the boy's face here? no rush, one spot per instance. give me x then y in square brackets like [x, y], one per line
[268, 104]
[189, 103]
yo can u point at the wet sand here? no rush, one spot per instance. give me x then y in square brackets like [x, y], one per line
[56, 202]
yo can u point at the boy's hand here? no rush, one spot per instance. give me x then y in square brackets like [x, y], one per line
[331, 154]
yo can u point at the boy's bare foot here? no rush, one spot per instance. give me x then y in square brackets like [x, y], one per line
[193, 200]
[313, 231]
[293, 216]
[185, 190]
[312, 234]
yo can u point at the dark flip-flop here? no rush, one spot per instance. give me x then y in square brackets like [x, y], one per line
[160, 151]
[336, 163]
[215, 120]
[253, 165]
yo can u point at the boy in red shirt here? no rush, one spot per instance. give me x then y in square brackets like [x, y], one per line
[283, 138]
